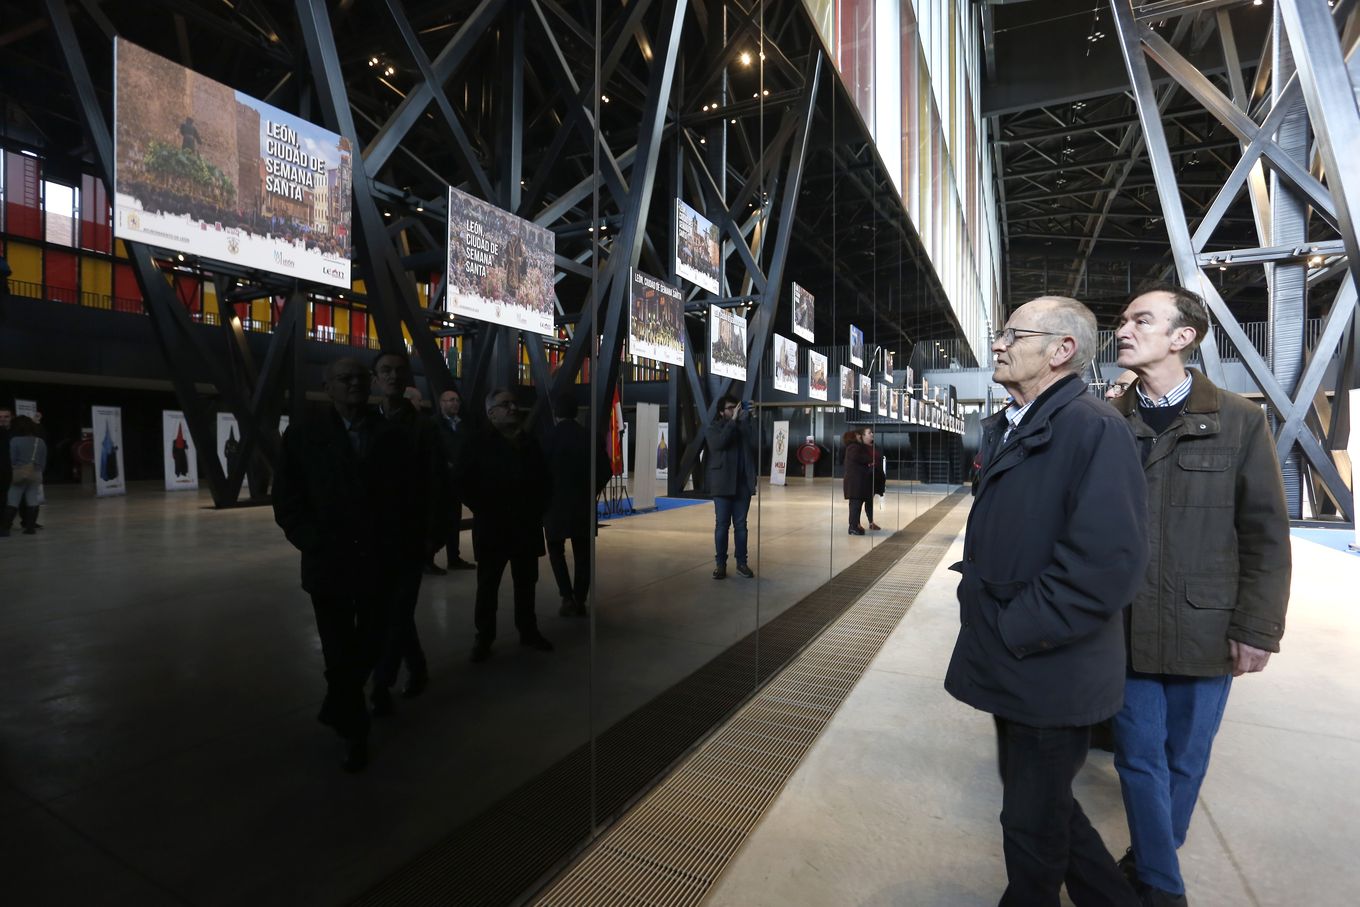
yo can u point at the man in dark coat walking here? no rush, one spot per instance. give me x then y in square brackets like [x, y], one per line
[505, 481]
[344, 498]
[1055, 548]
[731, 473]
[571, 515]
[452, 431]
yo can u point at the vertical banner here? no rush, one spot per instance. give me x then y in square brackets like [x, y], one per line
[847, 387]
[697, 247]
[883, 393]
[108, 450]
[663, 451]
[229, 446]
[785, 365]
[802, 313]
[727, 343]
[866, 389]
[779, 455]
[647, 483]
[816, 375]
[856, 346]
[181, 455]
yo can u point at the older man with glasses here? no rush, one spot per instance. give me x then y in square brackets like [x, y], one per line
[1055, 548]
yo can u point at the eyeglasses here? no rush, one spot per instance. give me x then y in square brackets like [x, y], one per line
[1008, 336]
[505, 404]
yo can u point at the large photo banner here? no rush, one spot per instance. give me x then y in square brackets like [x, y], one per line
[802, 313]
[204, 169]
[696, 247]
[229, 446]
[779, 455]
[817, 384]
[856, 346]
[785, 364]
[500, 266]
[847, 387]
[108, 450]
[181, 457]
[656, 323]
[727, 343]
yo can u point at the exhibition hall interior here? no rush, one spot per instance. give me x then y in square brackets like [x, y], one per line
[311, 302]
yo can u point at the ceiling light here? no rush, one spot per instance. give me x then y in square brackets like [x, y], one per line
[605, 98]
[372, 61]
[390, 71]
[766, 91]
[1315, 261]
[419, 209]
[745, 58]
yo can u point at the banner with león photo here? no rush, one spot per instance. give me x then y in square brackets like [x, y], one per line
[500, 267]
[697, 247]
[803, 313]
[785, 365]
[817, 383]
[656, 319]
[727, 343]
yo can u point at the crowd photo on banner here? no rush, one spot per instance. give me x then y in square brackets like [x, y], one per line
[727, 340]
[500, 267]
[656, 324]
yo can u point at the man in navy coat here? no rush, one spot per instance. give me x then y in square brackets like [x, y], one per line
[1055, 548]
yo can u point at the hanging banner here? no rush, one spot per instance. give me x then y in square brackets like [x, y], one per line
[202, 168]
[696, 247]
[779, 455]
[108, 450]
[663, 451]
[816, 375]
[26, 408]
[847, 387]
[229, 446]
[727, 343]
[856, 346]
[181, 457]
[866, 388]
[500, 267]
[802, 313]
[656, 320]
[785, 365]
[888, 366]
[883, 394]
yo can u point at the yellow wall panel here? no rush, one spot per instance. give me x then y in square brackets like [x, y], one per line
[359, 288]
[96, 276]
[405, 333]
[209, 298]
[259, 310]
[119, 249]
[25, 262]
[341, 319]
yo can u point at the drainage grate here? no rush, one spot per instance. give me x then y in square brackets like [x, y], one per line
[673, 845]
[523, 839]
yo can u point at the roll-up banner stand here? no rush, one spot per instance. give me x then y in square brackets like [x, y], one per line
[108, 450]
[646, 484]
[779, 454]
[229, 446]
[180, 451]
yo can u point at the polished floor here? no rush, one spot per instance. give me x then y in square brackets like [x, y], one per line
[160, 674]
[897, 804]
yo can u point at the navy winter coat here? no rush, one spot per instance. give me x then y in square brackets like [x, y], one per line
[1055, 549]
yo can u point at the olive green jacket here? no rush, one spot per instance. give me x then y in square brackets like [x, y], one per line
[1218, 530]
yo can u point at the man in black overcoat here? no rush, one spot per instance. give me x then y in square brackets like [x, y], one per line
[571, 515]
[343, 496]
[1055, 549]
[731, 472]
[452, 431]
[504, 480]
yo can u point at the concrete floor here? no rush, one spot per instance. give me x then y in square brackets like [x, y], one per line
[160, 674]
[897, 803]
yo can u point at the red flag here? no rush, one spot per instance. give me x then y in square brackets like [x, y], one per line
[616, 434]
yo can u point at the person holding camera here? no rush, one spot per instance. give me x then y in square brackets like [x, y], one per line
[731, 480]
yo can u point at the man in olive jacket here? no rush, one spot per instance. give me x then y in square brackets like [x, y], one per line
[1212, 604]
[1054, 551]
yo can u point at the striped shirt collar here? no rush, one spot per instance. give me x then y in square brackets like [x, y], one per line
[1175, 397]
[1013, 416]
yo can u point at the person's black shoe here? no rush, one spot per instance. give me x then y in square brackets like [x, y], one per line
[571, 607]
[857, 530]
[354, 754]
[875, 527]
[1156, 897]
[434, 569]
[720, 571]
[745, 571]
[459, 564]
[481, 651]
[29, 530]
[536, 642]
[415, 684]
[382, 702]
[1128, 865]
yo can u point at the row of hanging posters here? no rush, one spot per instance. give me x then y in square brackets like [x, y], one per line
[204, 169]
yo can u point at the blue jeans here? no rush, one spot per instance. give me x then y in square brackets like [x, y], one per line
[1162, 739]
[730, 509]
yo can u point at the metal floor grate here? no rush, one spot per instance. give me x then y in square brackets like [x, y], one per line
[522, 840]
[670, 848]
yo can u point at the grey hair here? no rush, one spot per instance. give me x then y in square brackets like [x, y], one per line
[496, 392]
[1071, 318]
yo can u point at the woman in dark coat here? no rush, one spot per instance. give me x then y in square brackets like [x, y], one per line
[858, 483]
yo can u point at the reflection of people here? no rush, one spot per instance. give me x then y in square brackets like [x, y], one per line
[1055, 546]
[1119, 385]
[731, 480]
[858, 482]
[571, 514]
[27, 460]
[337, 497]
[189, 137]
[1212, 604]
[504, 479]
[452, 433]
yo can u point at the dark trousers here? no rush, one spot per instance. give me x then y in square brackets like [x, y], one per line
[557, 559]
[524, 574]
[351, 626]
[856, 504]
[730, 510]
[401, 642]
[1047, 839]
[454, 530]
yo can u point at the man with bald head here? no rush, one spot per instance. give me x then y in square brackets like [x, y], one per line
[344, 496]
[1054, 550]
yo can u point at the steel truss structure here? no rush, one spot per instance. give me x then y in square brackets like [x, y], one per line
[1302, 196]
[562, 119]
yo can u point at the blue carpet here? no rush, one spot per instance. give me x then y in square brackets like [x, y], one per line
[1338, 539]
[661, 504]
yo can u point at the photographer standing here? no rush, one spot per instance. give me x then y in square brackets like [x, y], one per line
[731, 480]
